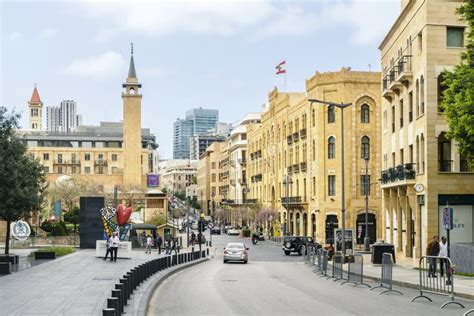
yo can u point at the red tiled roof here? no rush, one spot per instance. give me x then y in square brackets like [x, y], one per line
[35, 98]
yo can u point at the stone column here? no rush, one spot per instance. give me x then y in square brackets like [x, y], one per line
[398, 209]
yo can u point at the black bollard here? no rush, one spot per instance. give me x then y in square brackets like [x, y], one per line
[131, 277]
[126, 282]
[118, 294]
[113, 302]
[207, 251]
[108, 312]
[121, 287]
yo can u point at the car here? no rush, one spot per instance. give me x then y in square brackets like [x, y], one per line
[297, 244]
[236, 251]
[216, 230]
[226, 228]
[232, 231]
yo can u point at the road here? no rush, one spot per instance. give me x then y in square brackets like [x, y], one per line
[274, 284]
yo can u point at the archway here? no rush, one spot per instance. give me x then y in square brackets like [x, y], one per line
[305, 224]
[331, 223]
[372, 225]
[291, 231]
[313, 226]
[297, 224]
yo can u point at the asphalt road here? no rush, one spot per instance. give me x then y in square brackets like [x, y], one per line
[274, 284]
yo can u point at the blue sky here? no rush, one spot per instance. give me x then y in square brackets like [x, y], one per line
[215, 54]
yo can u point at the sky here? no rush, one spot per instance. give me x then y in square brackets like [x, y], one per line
[214, 54]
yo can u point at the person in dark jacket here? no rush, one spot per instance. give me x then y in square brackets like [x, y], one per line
[159, 242]
[433, 250]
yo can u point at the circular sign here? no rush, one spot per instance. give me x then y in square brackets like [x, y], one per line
[210, 225]
[20, 230]
[419, 187]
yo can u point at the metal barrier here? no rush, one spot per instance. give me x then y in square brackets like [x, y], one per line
[324, 264]
[355, 271]
[432, 281]
[337, 272]
[386, 275]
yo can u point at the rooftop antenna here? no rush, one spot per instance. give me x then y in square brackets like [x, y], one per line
[131, 47]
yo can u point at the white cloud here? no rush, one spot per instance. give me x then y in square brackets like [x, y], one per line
[47, 33]
[16, 36]
[108, 64]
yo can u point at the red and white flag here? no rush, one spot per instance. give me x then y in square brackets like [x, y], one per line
[280, 69]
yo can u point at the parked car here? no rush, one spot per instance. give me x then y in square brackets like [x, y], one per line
[297, 244]
[226, 228]
[232, 231]
[236, 252]
[216, 230]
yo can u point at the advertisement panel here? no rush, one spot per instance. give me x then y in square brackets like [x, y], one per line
[152, 180]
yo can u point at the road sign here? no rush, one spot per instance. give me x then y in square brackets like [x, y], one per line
[202, 215]
[448, 218]
[210, 225]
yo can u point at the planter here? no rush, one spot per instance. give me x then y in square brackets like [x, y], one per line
[5, 268]
[45, 255]
[13, 259]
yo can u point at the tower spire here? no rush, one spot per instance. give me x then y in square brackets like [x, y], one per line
[131, 69]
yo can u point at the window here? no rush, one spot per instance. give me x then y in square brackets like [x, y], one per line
[101, 156]
[331, 114]
[331, 185]
[313, 117]
[420, 42]
[410, 107]
[213, 165]
[410, 153]
[331, 148]
[441, 88]
[401, 113]
[364, 113]
[100, 170]
[422, 95]
[243, 137]
[365, 185]
[87, 157]
[422, 153]
[60, 158]
[60, 170]
[417, 154]
[444, 153]
[73, 169]
[417, 98]
[213, 177]
[365, 147]
[73, 158]
[402, 158]
[314, 186]
[114, 157]
[393, 119]
[45, 156]
[455, 36]
[314, 150]
[87, 170]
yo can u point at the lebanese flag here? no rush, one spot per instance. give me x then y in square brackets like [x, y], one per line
[280, 69]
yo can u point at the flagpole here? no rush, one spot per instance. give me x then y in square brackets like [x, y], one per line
[285, 83]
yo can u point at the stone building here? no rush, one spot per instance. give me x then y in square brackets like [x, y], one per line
[422, 170]
[177, 174]
[294, 155]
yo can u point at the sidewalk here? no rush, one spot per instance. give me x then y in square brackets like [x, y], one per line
[77, 284]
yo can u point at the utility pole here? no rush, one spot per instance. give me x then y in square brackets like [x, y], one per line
[187, 221]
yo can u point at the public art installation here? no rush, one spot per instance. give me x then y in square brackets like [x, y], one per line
[116, 220]
[20, 230]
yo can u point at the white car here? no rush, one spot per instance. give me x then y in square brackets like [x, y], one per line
[194, 226]
[233, 231]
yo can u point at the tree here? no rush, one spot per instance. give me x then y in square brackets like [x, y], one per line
[131, 192]
[22, 178]
[157, 220]
[72, 217]
[458, 97]
[68, 191]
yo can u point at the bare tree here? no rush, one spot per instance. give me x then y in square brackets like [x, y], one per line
[67, 190]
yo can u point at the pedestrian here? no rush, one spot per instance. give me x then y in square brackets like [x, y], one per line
[159, 242]
[115, 245]
[433, 251]
[149, 244]
[173, 246]
[108, 244]
[443, 252]
[193, 238]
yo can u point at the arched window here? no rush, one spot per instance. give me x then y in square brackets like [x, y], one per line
[314, 149]
[331, 114]
[417, 98]
[313, 117]
[441, 88]
[365, 147]
[331, 148]
[444, 153]
[364, 113]
[422, 95]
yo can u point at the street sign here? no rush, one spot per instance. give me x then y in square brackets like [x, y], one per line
[210, 225]
[448, 218]
[202, 215]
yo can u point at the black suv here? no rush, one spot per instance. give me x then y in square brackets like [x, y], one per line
[297, 244]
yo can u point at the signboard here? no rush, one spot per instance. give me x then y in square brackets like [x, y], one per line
[152, 180]
[20, 230]
[448, 218]
[210, 225]
[349, 240]
[57, 209]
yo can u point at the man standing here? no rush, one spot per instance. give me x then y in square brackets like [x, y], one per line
[159, 242]
[149, 243]
[433, 251]
[443, 252]
[115, 245]
[108, 245]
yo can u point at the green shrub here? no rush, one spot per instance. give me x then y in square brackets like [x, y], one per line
[60, 251]
[59, 229]
[245, 232]
[47, 226]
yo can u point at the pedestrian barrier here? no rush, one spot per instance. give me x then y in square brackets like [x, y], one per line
[386, 275]
[355, 271]
[324, 264]
[337, 272]
[435, 282]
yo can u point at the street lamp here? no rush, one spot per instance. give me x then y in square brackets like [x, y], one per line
[341, 106]
[287, 182]
[366, 191]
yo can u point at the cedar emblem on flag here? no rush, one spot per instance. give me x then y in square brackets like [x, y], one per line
[280, 69]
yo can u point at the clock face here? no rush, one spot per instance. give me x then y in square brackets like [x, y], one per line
[419, 187]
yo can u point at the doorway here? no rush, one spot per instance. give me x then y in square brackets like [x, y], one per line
[331, 224]
[372, 226]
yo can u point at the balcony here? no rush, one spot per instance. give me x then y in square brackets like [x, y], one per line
[291, 200]
[67, 162]
[296, 136]
[243, 181]
[394, 85]
[403, 172]
[296, 168]
[404, 69]
[251, 201]
[303, 133]
[386, 92]
[100, 162]
[465, 167]
[252, 156]
[303, 166]
[445, 165]
[242, 162]
[290, 169]
[289, 139]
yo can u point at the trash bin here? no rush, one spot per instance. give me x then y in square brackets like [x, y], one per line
[378, 249]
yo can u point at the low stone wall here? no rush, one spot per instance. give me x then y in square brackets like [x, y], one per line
[43, 242]
[462, 256]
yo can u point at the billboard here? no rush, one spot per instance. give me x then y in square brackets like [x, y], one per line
[152, 180]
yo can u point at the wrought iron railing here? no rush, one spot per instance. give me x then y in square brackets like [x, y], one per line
[399, 173]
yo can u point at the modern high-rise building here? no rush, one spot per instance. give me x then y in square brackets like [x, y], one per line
[68, 115]
[197, 122]
[53, 119]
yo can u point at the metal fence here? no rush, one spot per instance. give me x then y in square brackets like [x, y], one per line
[436, 281]
[386, 275]
[355, 271]
[322, 266]
[337, 272]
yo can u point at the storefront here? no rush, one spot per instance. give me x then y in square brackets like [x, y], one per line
[463, 219]
[360, 228]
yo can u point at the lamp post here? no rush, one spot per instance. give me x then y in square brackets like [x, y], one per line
[366, 191]
[287, 182]
[341, 106]
[188, 202]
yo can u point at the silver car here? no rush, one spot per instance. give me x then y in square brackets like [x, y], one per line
[236, 251]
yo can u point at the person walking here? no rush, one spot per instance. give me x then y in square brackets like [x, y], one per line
[444, 262]
[108, 244]
[159, 242]
[114, 247]
[149, 244]
[433, 251]
[193, 239]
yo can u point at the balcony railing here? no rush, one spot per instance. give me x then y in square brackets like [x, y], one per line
[399, 173]
[100, 162]
[303, 133]
[291, 200]
[445, 165]
[243, 181]
[290, 169]
[303, 166]
[289, 139]
[243, 162]
[251, 201]
[67, 162]
[465, 167]
[296, 168]
[296, 136]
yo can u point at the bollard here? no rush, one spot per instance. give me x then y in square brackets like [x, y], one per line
[133, 280]
[125, 289]
[123, 297]
[169, 262]
[136, 278]
[108, 312]
[207, 251]
[126, 281]
[113, 302]
[118, 294]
